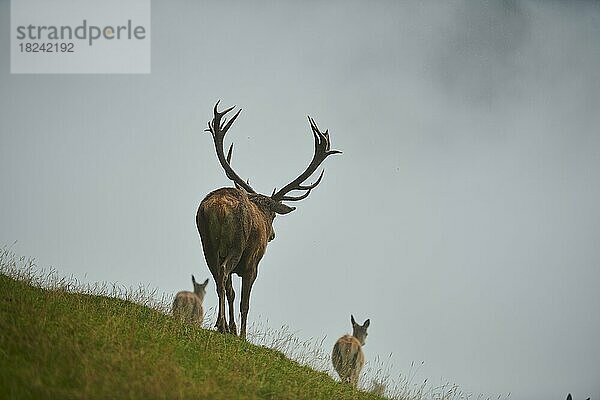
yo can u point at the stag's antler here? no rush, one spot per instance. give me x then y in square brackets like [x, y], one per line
[218, 129]
[322, 151]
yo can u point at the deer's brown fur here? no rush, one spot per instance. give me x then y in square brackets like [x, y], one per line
[235, 228]
[347, 356]
[188, 305]
[235, 224]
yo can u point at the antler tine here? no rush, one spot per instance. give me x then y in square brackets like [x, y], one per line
[295, 198]
[218, 129]
[216, 112]
[312, 185]
[322, 137]
[321, 152]
[229, 154]
[308, 189]
[229, 162]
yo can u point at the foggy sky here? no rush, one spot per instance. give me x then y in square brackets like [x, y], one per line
[462, 217]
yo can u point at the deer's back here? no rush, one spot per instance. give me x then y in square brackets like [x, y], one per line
[231, 225]
[347, 355]
[223, 220]
[188, 305]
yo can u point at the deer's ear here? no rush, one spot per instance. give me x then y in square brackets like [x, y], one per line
[193, 280]
[352, 320]
[367, 323]
[280, 208]
[569, 397]
[205, 282]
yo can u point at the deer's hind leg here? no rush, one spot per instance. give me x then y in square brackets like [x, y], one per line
[247, 282]
[230, 301]
[353, 379]
[218, 272]
[220, 281]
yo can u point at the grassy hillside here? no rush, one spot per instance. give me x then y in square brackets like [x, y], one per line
[62, 345]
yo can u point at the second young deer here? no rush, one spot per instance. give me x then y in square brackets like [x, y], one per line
[347, 356]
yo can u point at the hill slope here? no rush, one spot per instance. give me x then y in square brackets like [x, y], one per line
[60, 345]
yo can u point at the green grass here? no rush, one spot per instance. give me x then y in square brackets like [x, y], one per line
[63, 339]
[56, 344]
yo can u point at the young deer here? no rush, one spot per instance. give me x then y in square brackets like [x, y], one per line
[236, 223]
[188, 305]
[347, 356]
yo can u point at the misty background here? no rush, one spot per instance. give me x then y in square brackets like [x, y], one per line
[462, 217]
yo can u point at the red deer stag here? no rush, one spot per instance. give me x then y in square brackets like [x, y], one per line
[235, 224]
